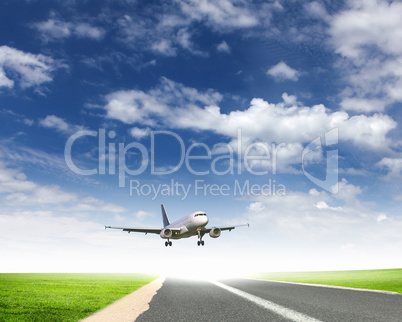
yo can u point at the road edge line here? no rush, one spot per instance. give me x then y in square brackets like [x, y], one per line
[129, 307]
[326, 286]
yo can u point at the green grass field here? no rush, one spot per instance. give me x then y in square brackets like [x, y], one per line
[382, 279]
[62, 297]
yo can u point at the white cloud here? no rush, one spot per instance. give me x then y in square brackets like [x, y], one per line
[165, 37]
[51, 163]
[394, 167]
[183, 38]
[317, 224]
[41, 195]
[368, 131]
[133, 106]
[85, 30]
[52, 121]
[289, 121]
[397, 197]
[19, 190]
[294, 124]
[282, 71]
[54, 241]
[367, 23]
[317, 10]
[4, 81]
[165, 47]
[57, 123]
[290, 100]
[137, 106]
[25, 68]
[141, 215]
[362, 105]
[91, 204]
[382, 217]
[16, 190]
[67, 240]
[17, 154]
[220, 14]
[346, 192]
[354, 172]
[13, 180]
[28, 121]
[54, 29]
[166, 33]
[223, 47]
[368, 36]
[139, 133]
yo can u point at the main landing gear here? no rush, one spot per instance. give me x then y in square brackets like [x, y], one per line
[168, 243]
[200, 242]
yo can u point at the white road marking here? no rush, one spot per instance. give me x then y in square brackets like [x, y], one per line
[271, 306]
[326, 286]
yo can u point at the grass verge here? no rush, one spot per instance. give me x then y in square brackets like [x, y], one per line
[381, 279]
[62, 297]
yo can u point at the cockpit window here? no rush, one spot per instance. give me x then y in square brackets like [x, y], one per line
[200, 214]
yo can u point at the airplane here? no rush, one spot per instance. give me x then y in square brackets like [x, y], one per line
[191, 225]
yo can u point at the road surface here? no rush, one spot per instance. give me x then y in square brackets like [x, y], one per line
[258, 300]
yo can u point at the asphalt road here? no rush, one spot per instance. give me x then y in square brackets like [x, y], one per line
[254, 300]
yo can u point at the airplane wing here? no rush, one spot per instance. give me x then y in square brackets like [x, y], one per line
[143, 230]
[208, 229]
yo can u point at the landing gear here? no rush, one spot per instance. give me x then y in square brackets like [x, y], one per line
[200, 242]
[168, 243]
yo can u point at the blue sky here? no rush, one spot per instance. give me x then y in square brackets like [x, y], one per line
[292, 108]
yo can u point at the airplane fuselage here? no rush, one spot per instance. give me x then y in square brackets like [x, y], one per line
[189, 225]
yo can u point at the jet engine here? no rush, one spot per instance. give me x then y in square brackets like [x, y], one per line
[215, 232]
[166, 233]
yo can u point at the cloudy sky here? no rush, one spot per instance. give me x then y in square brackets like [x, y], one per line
[282, 114]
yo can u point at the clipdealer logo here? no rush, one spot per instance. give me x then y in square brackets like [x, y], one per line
[237, 163]
[112, 160]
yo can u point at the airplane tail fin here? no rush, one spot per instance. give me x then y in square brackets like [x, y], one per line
[164, 217]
